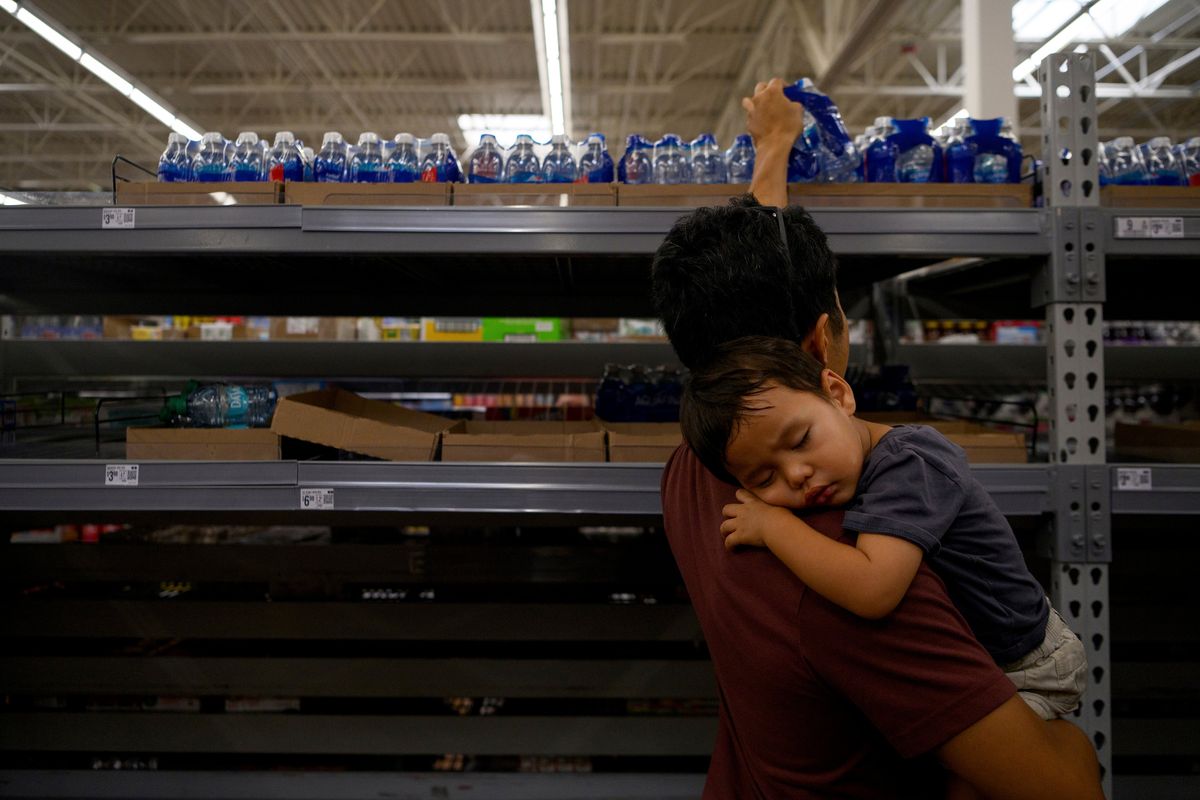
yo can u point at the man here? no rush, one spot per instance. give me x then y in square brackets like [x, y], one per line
[816, 702]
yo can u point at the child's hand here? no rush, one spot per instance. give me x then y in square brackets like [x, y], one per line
[750, 521]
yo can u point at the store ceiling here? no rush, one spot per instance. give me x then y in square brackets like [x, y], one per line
[413, 65]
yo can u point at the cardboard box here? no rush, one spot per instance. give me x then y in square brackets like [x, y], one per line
[200, 194]
[341, 419]
[522, 329]
[911, 195]
[983, 445]
[202, 444]
[367, 194]
[524, 441]
[642, 441]
[560, 195]
[686, 195]
[451, 329]
[329, 329]
[1175, 443]
[1150, 196]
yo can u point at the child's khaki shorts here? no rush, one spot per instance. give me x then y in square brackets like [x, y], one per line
[1051, 677]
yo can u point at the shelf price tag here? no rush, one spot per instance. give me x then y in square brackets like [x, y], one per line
[121, 475]
[1134, 479]
[1149, 227]
[316, 499]
[116, 218]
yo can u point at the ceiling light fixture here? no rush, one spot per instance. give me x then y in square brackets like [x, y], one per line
[551, 40]
[94, 63]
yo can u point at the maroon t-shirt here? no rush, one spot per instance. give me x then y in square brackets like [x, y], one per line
[816, 702]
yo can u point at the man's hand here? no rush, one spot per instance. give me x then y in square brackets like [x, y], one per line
[750, 521]
[772, 119]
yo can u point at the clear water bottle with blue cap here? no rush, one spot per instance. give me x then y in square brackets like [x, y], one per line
[959, 154]
[331, 165]
[523, 164]
[440, 164]
[174, 165]
[367, 164]
[487, 163]
[672, 164]
[402, 163]
[1161, 165]
[833, 146]
[918, 155]
[221, 405]
[708, 162]
[1188, 155]
[880, 154]
[596, 165]
[804, 164]
[246, 164]
[284, 162]
[209, 165]
[997, 154]
[739, 159]
[637, 165]
[559, 165]
[1126, 167]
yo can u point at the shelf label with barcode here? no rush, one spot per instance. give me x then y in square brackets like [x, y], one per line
[116, 218]
[316, 499]
[121, 475]
[1134, 479]
[1149, 227]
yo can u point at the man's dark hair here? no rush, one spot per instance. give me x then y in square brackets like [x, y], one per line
[723, 272]
[718, 395]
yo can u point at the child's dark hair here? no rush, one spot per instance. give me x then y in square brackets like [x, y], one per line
[724, 272]
[717, 396]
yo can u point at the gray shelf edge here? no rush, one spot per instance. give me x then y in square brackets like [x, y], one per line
[1187, 243]
[965, 362]
[1172, 489]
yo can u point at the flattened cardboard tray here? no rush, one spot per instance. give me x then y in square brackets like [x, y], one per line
[536, 194]
[983, 445]
[366, 194]
[1174, 443]
[1150, 196]
[341, 419]
[200, 194]
[201, 444]
[524, 441]
[642, 441]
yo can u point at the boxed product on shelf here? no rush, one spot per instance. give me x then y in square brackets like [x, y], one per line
[524, 441]
[200, 194]
[911, 195]
[1177, 443]
[314, 328]
[522, 329]
[202, 444]
[398, 329]
[534, 194]
[343, 420]
[451, 329]
[983, 445]
[642, 441]
[689, 195]
[595, 328]
[1150, 196]
[416, 193]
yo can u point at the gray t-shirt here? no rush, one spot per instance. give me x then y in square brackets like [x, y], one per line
[916, 485]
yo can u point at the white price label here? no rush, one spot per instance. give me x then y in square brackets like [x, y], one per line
[116, 217]
[316, 499]
[121, 475]
[1149, 227]
[1134, 479]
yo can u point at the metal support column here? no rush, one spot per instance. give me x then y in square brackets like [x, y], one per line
[1071, 287]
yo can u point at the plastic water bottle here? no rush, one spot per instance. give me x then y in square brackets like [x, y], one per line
[671, 162]
[918, 155]
[285, 163]
[997, 155]
[559, 165]
[881, 152]
[209, 165]
[1161, 164]
[221, 405]
[959, 154]
[596, 165]
[739, 159]
[246, 163]
[1188, 155]
[402, 163]
[487, 164]
[330, 165]
[836, 152]
[367, 164]
[440, 164]
[708, 163]
[174, 165]
[636, 165]
[1126, 166]
[523, 164]
[804, 165]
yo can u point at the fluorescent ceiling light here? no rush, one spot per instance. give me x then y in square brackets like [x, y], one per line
[105, 74]
[152, 107]
[41, 28]
[9, 5]
[505, 127]
[1107, 19]
[5, 200]
[554, 62]
[179, 126]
